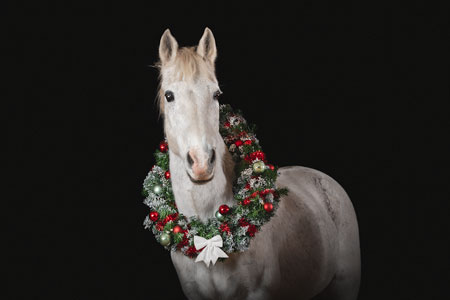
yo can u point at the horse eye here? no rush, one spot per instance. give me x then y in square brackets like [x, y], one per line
[217, 95]
[169, 96]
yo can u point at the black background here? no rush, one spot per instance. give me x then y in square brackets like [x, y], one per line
[354, 91]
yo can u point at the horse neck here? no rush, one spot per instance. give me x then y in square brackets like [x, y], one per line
[203, 200]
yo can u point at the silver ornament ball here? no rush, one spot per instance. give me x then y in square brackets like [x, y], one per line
[259, 167]
[157, 189]
[219, 216]
[164, 239]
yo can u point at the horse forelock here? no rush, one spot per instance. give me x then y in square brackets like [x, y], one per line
[187, 66]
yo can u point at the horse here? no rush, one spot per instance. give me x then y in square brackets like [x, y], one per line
[308, 250]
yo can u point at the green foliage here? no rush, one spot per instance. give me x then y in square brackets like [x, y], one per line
[163, 213]
[282, 191]
[177, 237]
[270, 175]
[169, 226]
[162, 159]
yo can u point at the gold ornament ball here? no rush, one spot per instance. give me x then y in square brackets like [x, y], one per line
[164, 239]
[259, 167]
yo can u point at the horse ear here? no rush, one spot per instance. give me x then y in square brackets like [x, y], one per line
[207, 46]
[168, 47]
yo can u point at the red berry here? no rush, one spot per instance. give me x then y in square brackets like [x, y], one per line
[191, 251]
[225, 228]
[248, 142]
[268, 206]
[163, 147]
[226, 124]
[260, 155]
[246, 201]
[238, 143]
[167, 174]
[224, 209]
[154, 216]
[177, 229]
[255, 155]
[251, 230]
[243, 222]
[271, 167]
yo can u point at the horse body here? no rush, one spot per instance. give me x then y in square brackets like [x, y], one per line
[310, 244]
[309, 248]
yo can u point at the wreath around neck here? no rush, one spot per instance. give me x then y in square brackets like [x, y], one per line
[254, 191]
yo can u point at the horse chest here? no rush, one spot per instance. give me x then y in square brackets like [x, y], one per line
[225, 279]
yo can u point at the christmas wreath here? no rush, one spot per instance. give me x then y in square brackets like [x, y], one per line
[232, 228]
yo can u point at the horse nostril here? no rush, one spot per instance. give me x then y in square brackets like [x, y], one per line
[190, 160]
[213, 156]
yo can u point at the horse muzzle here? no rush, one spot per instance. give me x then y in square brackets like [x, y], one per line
[201, 165]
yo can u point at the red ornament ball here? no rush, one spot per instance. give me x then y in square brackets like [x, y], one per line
[238, 143]
[248, 142]
[226, 124]
[177, 229]
[154, 216]
[246, 201]
[167, 174]
[224, 209]
[271, 167]
[163, 147]
[268, 206]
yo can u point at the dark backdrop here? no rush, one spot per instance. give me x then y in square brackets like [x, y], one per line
[354, 91]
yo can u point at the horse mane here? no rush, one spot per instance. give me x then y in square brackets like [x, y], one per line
[187, 65]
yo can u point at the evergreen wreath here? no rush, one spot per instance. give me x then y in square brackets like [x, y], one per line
[254, 190]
